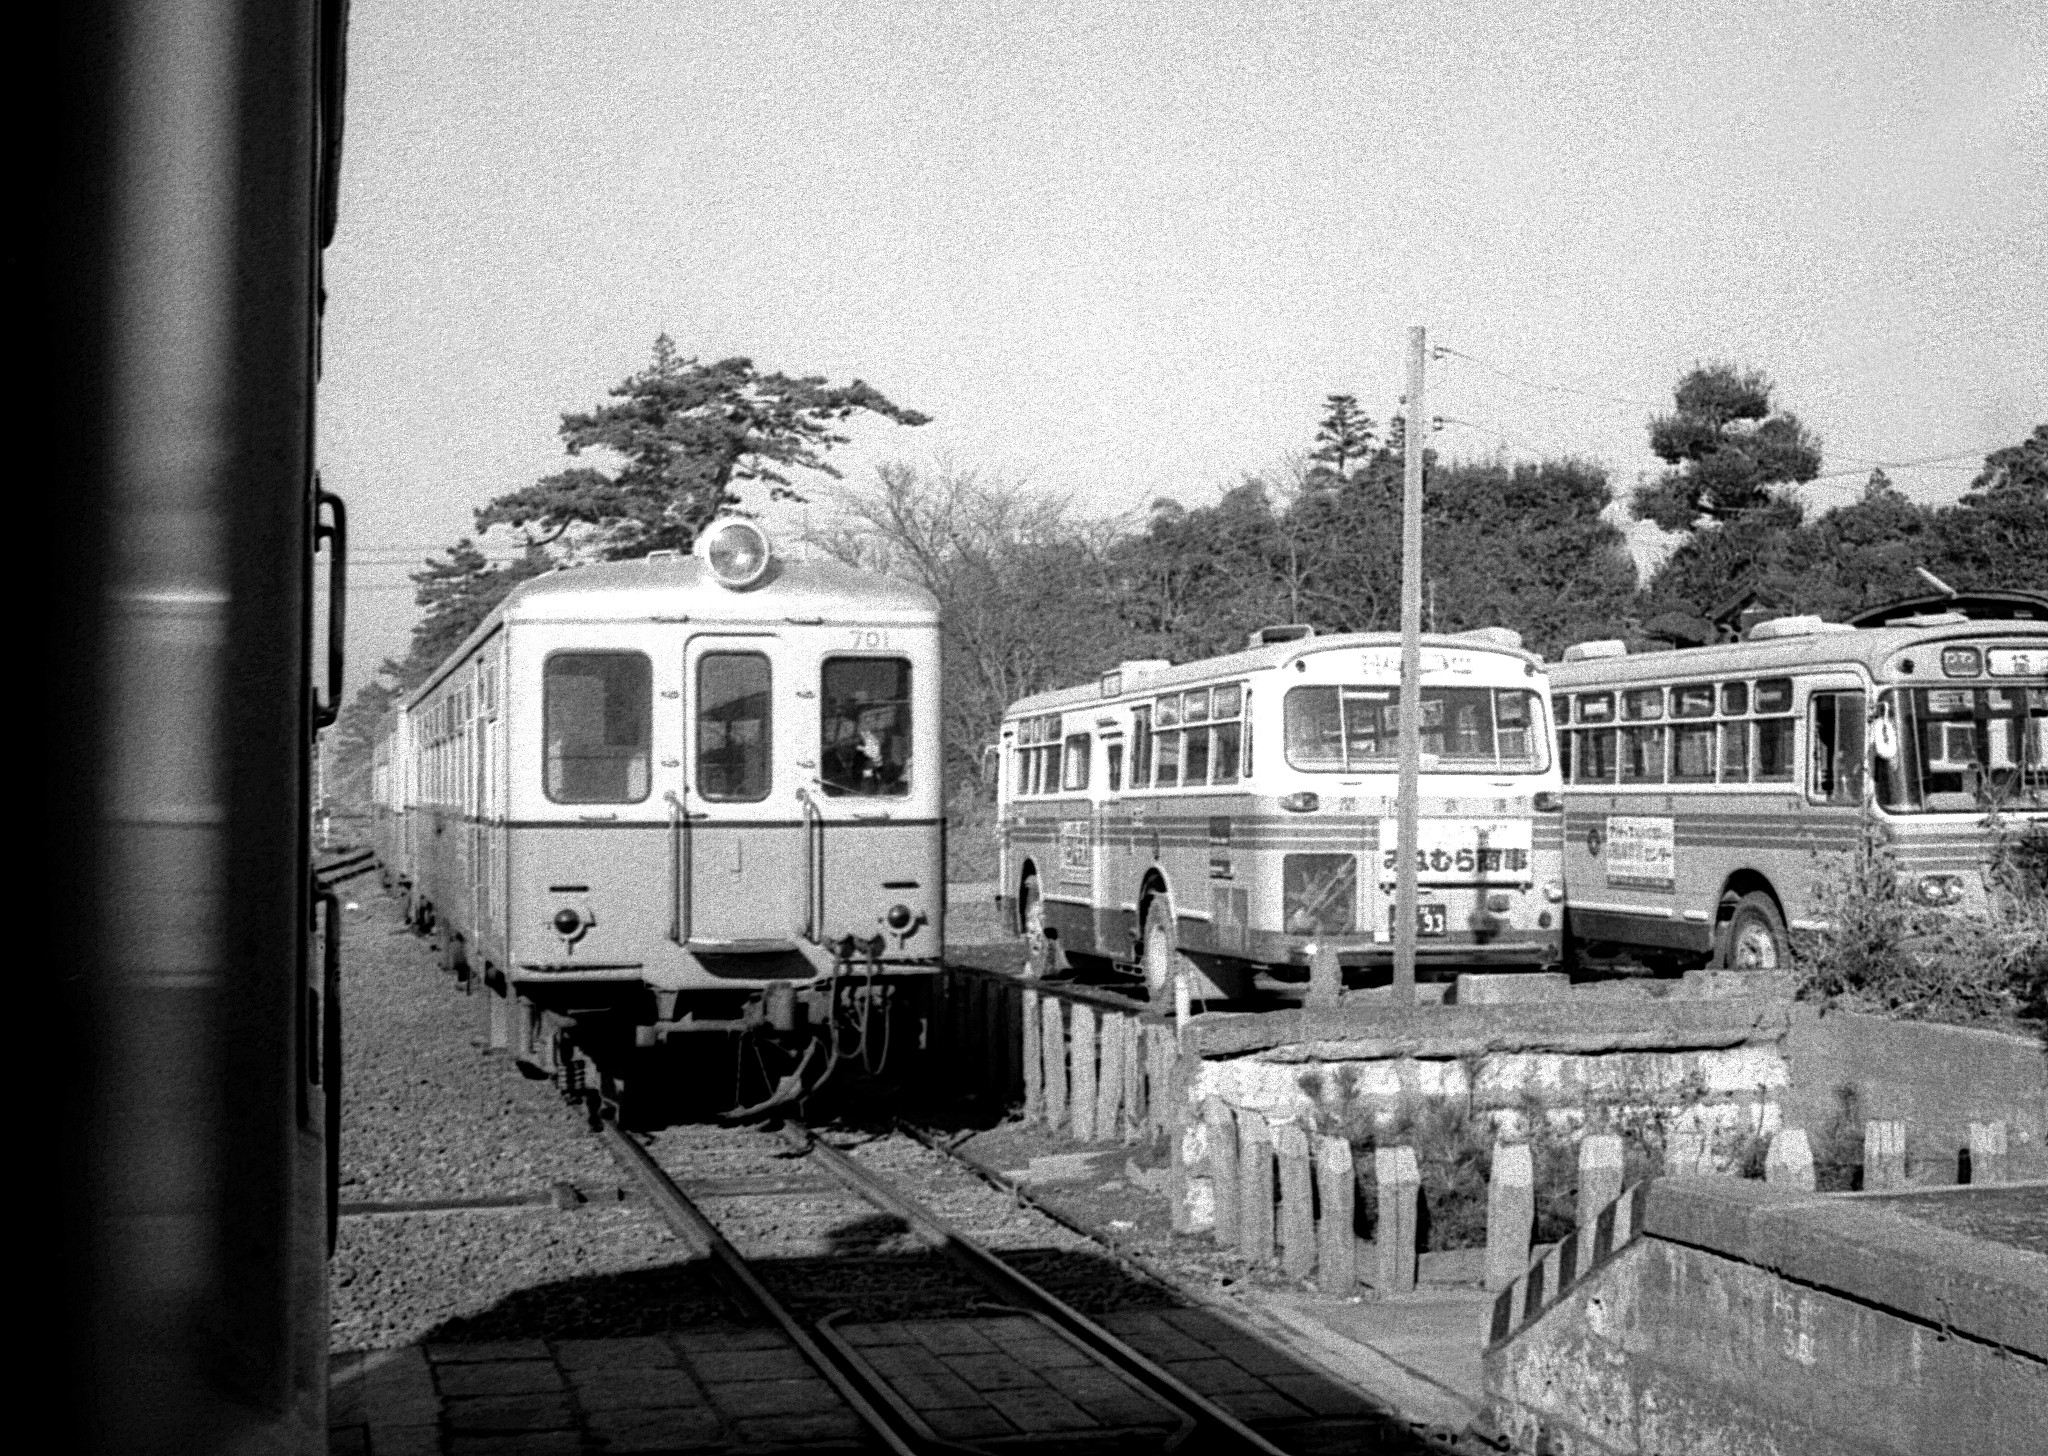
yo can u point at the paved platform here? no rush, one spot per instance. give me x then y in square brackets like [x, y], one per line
[995, 1382]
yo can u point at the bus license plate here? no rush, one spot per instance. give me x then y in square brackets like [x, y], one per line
[1429, 920]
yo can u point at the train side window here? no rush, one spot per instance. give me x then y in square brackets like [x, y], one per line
[733, 726]
[1774, 733]
[1836, 734]
[866, 727]
[598, 710]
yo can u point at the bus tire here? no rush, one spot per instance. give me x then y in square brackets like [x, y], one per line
[1164, 963]
[1754, 938]
[1041, 952]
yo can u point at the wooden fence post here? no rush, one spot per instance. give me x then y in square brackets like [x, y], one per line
[1161, 1052]
[1789, 1163]
[994, 1062]
[1599, 1175]
[1255, 1189]
[1987, 1152]
[1081, 1029]
[1400, 1190]
[1510, 1213]
[1136, 1048]
[1297, 1201]
[1884, 1155]
[1034, 1066]
[1221, 1127]
[1325, 976]
[1179, 1120]
[1053, 1039]
[1109, 1087]
[1337, 1244]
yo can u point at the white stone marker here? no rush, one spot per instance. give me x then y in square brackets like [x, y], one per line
[1987, 1152]
[1884, 1155]
[1599, 1175]
[1510, 1214]
[1400, 1194]
[1789, 1164]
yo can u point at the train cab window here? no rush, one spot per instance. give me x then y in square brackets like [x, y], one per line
[866, 719]
[733, 726]
[1774, 730]
[598, 711]
[1836, 738]
[1077, 760]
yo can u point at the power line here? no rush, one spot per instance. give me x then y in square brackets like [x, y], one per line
[1442, 350]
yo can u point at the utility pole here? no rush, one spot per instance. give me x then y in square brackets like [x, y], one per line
[1406, 807]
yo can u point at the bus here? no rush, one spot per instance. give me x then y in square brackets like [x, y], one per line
[1709, 790]
[1204, 822]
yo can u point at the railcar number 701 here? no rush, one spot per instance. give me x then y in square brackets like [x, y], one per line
[865, 638]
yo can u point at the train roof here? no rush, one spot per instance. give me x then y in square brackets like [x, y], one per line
[1139, 681]
[1833, 643]
[670, 587]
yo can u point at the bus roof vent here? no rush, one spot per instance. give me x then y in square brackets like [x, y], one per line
[1587, 651]
[1282, 632]
[1778, 627]
[1494, 636]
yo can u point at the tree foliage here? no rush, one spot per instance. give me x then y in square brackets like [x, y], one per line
[1344, 440]
[685, 433]
[1728, 448]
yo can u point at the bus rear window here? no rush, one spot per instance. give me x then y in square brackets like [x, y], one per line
[1346, 730]
[598, 710]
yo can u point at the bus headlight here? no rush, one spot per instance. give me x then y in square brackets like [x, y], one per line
[1303, 802]
[1939, 889]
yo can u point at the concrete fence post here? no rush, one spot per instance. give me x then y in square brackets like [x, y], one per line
[1297, 1201]
[1336, 1243]
[1109, 1087]
[1400, 1197]
[1255, 1189]
[1789, 1163]
[501, 1022]
[1160, 1051]
[1510, 1214]
[1034, 1066]
[1136, 1049]
[1987, 1152]
[1325, 976]
[1084, 1021]
[1053, 1039]
[1224, 1178]
[1599, 1175]
[1884, 1155]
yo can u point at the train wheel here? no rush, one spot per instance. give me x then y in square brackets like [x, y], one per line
[1041, 952]
[1755, 936]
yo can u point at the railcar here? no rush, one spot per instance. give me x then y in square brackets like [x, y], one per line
[1204, 822]
[684, 794]
[1709, 790]
[191, 156]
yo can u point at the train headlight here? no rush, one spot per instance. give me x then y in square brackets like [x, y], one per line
[567, 922]
[899, 918]
[736, 550]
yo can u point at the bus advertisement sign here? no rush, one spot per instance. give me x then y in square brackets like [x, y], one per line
[1642, 851]
[1077, 852]
[1462, 851]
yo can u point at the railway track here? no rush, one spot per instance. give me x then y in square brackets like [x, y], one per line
[1161, 1410]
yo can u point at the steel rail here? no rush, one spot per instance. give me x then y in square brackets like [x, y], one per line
[1219, 1429]
[730, 1268]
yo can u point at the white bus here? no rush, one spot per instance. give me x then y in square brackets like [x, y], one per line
[1214, 819]
[1709, 789]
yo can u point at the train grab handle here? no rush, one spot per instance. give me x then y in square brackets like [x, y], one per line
[678, 877]
[814, 867]
[333, 531]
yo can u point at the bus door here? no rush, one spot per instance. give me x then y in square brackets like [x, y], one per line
[733, 839]
[1834, 780]
[1107, 865]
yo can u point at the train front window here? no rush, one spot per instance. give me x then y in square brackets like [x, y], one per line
[733, 726]
[1962, 749]
[866, 716]
[598, 712]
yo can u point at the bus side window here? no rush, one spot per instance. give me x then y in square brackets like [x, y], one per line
[1837, 749]
[1774, 734]
[1141, 748]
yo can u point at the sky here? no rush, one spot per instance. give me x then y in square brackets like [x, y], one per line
[1125, 251]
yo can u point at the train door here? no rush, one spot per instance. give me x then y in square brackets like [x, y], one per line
[737, 839]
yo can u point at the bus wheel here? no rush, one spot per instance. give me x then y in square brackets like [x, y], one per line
[1041, 952]
[1756, 939]
[1164, 964]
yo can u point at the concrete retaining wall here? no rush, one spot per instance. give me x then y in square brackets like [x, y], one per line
[1936, 1079]
[1752, 1323]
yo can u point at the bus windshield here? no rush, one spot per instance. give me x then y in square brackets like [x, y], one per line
[1358, 729]
[1964, 750]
